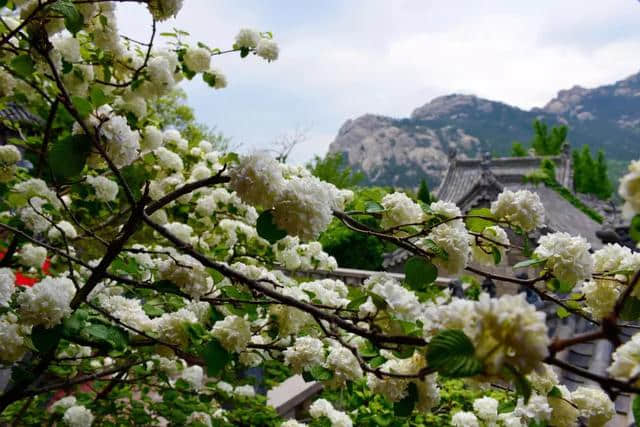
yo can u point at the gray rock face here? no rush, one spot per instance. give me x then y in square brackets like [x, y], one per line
[400, 152]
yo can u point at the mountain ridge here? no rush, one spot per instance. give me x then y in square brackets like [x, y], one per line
[401, 151]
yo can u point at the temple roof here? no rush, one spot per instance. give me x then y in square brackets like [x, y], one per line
[473, 183]
[466, 177]
[16, 113]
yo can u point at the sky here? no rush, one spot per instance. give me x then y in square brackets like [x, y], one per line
[342, 59]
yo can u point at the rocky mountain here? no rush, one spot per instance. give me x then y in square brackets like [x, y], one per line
[401, 151]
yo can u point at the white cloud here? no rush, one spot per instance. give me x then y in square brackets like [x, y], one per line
[343, 59]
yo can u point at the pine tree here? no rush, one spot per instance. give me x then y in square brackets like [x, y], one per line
[603, 184]
[518, 150]
[545, 143]
[589, 179]
[423, 192]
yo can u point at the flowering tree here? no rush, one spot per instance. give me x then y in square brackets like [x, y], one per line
[164, 258]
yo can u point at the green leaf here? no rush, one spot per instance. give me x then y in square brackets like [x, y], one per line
[559, 286]
[373, 207]
[634, 228]
[107, 334]
[562, 313]
[215, 356]
[244, 52]
[479, 224]
[152, 310]
[497, 256]
[631, 309]
[267, 229]
[135, 175]
[98, 97]
[44, 339]
[166, 286]
[404, 407]
[68, 156]
[73, 20]
[320, 373]
[23, 65]
[377, 361]
[452, 354]
[555, 392]
[529, 263]
[368, 350]
[433, 247]
[419, 273]
[635, 408]
[522, 385]
[82, 106]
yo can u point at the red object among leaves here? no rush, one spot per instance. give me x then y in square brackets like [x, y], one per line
[23, 280]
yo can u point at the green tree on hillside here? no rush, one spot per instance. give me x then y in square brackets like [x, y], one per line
[591, 176]
[544, 143]
[333, 168]
[547, 143]
[518, 150]
[424, 194]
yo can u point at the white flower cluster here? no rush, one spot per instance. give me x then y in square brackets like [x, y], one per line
[194, 375]
[593, 405]
[305, 353]
[172, 327]
[492, 237]
[199, 419]
[36, 188]
[454, 239]
[151, 139]
[221, 200]
[265, 47]
[600, 296]
[396, 389]
[7, 286]
[505, 330]
[62, 227]
[9, 157]
[106, 189]
[197, 59]
[32, 256]
[122, 145]
[164, 9]
[12, 343]
[127, 310]
[47, 302]
[186, 272]
[233, 332]
[78, 416]
[486, 409]
[536, 409]
[327, 292]
[399, 210]
[522, 208]
[567, 257]
[301, 205]
[344, 365]
[296, 256]
[168, 160]
[402, 302]
[626, 360]
[516, 327]
[629, 190]
[324, 408]
[464, 419]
